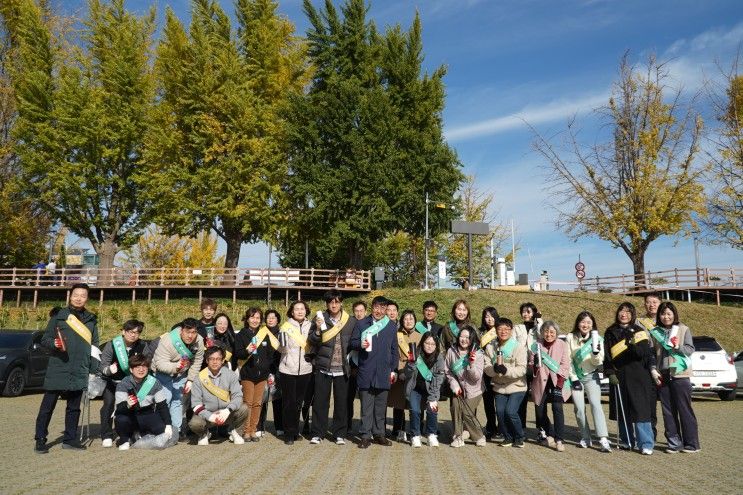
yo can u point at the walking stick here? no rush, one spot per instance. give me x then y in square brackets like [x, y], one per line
[618, 395]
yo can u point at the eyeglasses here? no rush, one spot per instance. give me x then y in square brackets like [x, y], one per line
[133, 330]
[215, 358]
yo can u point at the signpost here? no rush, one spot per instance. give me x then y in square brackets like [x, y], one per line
[580, 272]
[469, 228]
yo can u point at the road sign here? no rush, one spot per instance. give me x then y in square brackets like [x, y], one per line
[580, 274]
[580, 267]
[474, 228]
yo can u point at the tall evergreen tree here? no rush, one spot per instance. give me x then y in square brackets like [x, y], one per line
[366, 140]
[216, 153]
[81, 117]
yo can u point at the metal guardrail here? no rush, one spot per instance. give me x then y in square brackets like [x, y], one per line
[125, 277]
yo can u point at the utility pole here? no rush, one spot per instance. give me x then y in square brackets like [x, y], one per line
[425, 242]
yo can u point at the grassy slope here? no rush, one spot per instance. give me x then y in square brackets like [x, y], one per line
[724, 323]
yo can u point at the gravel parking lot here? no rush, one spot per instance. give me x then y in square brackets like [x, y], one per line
[271, 467]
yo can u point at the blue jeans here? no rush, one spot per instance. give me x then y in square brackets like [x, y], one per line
[507, 409]
[416, 399]
[173, 386]
[641, 432]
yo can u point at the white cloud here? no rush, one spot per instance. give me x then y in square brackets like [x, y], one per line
[531, 114]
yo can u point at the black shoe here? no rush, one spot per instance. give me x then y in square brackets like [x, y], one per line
[73, 445]
[380, 440]
[288, 441]
[255, 439]
[519, 444]
[41, 447]
[364, 443]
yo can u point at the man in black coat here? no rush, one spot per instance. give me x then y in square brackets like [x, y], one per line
[330, 334]
[70, 335]
[375, 337]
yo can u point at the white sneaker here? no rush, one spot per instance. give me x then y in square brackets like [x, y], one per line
[551, 442]
[465, 435]
[647, 451]
[583, 444]
[205, 439]
[605, 445]
[124, 446]
[259, 434]
[340, 441]
[433, 440]
[402, 436]
[107, 443]
[416, 441]
[457, 442]
[236, 438]
[482, 442]
[315, 440]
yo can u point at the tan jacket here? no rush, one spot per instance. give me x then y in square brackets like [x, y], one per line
[166, 357]
[515, 378]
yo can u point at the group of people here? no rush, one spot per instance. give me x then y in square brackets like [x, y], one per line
[222, 378]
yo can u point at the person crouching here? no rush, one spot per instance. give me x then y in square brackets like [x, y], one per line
[217, 399]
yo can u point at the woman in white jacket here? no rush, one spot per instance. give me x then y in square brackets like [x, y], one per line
[295, 368]
[586, 355]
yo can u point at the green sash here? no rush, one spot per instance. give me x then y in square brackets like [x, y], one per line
[121, 355]
[680, 362]
[508, 347]
[454, 329]
[375, 328]
[580, 355]
[548, 361]
[147, 385]
[423, 369]
[458, 366]
[175, 338]
[420, 328]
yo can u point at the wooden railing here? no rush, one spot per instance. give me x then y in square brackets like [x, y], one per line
[187, 277]
[678, 278]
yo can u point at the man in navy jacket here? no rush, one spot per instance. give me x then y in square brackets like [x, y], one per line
[378, 357]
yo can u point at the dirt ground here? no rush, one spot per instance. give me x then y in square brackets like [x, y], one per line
[269, 466]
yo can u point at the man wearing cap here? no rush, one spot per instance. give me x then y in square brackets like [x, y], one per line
[375, 337]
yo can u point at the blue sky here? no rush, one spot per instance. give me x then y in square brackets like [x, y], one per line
[543, 62]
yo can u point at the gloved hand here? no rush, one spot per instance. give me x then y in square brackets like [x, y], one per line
[113, 368]
[433, 406]
[270, 380]
[209, 343]
[411, 358]
[458, 392]
[187, 387]
[393, 377]
[675, 342]
[182, 364]
[222, 416]
[472, 356]
[132, 401]
[58, 343]
[500, 368]
[168, 432]
[251, 348]
[656, 377]
[213, 418]
[365, 344]
[577, 386]
[613, 380]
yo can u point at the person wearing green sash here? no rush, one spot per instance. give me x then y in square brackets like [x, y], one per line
[397, 399]
[673, 349]
[114, 367]
[506, 364]
[550, 360]
[141, 404]
[487, 331]
[460, 316]
[586, 357]
[526, 334]
[424, 375]
[464, 370]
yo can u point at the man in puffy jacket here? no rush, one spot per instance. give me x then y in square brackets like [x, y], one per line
[70, 335]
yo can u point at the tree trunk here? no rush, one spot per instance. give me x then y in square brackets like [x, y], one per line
[355, 256]
[234, 242]
[638, 268]
[106, 251]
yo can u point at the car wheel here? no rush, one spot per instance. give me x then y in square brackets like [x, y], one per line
[15, 383]
[727, 395]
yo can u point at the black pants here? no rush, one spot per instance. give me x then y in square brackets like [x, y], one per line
[145, 423]
[293, 389]
[309, 395]
[488, 398]
[321, 405]
[680, 422]
[71, 417]
[350, 398]
[398, 420]
[107, 410]
[525, 400]
[543, 422]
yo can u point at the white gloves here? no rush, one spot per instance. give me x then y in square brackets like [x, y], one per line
[168, 431]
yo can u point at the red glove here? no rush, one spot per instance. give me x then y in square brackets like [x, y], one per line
[58, 343]
[560, 381]
[473, 354]
[132, 401]
[393, 377]
[209, 343]
[675, 341]
[459, 392]
[411, 359]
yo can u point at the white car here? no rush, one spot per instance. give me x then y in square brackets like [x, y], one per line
[713, 369]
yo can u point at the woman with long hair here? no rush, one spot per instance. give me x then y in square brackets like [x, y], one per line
[424, 375]
[464, 369]
[488, 337]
